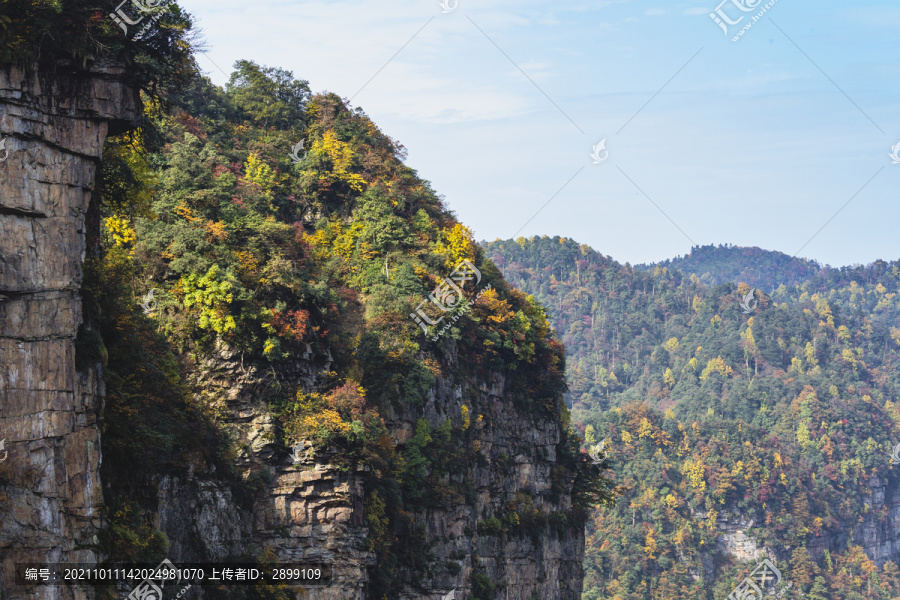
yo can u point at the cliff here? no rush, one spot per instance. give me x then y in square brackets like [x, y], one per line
[312, 510]
[877, 532]
[500, 521]
[54, 129]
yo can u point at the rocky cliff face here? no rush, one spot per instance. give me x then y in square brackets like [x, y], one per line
[312, 509]
[878, 532]
[54, 129]
[521, 451]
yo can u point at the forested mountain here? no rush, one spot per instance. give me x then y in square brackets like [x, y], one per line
[250, 296]
[758, 268]
[236, 326]
[729, 412]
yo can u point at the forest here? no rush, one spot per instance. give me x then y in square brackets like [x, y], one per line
[756, 267]
[726, 407]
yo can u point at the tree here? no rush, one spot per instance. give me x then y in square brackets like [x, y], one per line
[382, 228]
[669, 378]
[802, 567]
[819, 590]
[77, 33]
[270, 97]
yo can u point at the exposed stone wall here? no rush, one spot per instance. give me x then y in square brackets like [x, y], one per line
[733, 539]
[54, 129]
[521, 449]
[312, 510]
[879, 537]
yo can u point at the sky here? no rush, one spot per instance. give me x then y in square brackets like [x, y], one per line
[781, 139]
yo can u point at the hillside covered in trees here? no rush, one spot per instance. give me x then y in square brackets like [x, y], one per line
[728, 409]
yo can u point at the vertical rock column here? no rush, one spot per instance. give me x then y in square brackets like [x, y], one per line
[54, 127]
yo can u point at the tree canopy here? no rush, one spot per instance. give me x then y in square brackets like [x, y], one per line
[724, 406]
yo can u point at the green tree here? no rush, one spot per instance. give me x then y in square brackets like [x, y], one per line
[268, 96]
[819, 590]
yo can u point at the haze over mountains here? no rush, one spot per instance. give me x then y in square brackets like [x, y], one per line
[764, 269]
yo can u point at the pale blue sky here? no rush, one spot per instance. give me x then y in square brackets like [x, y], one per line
[750, 143]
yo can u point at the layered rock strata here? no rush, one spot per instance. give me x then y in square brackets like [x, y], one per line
[312, 509]
[53, 129]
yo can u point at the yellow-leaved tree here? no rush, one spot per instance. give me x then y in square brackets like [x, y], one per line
[457, 245]
[716, 365]
[336, 158]
[123, 234]
[669, 378]
[260, 174]
[209, 295]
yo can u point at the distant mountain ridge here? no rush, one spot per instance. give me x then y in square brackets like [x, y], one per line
[759, 268]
